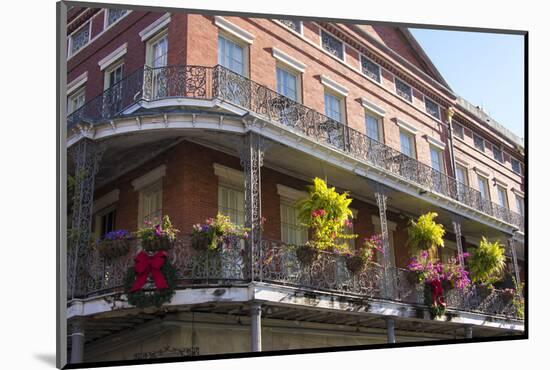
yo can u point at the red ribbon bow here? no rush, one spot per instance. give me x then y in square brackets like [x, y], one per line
[145, 265]
[437, 293]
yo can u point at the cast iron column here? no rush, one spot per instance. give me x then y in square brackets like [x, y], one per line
[252, 160]
[86, 155]
[381, 201]
[256, 327]
[512, 246]
[458, 234]
[390, 328]
[76, 333]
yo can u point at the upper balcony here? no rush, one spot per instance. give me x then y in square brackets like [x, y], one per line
[135, 93]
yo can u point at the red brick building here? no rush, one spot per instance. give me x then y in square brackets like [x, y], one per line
[188, 115]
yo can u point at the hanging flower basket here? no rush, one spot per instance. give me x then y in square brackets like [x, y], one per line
[355, 264]
[159, 243]
[306, 255]
[160, 237]
[485, 290]
[114, 244]
[508, 296]
[212, 234]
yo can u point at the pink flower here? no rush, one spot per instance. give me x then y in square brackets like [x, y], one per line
[348, 224]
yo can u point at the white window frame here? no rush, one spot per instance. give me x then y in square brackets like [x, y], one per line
[499, 149]
[301, 33]
[457, 127]
[482, 140]
[426, 99]
[245, 46]
[163, 33]
[233, 30]
[71, 98]
[155, 187]
[379, 125]
[440, 155]
[146, 183]
[361, 57]
[156, 27]
[512, 159]
[106, 25]
[294, 73]
[107, 73]
[412, 142]
[466, 172]
[395, 79]
[321, 30]
[520, 209]
[230, 179]
[504, 191]
[98, 233]
[485, 179]
[70, 37]
[342, 103]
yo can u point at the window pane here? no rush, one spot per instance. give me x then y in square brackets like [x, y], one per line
[406, 144]
[461, 175]
[231, 204]
[292, 232]
[436, 159]
[372, 127]
[483, 187]
[497, 154]
[160, 53]
[479, 143]
[458, 130]
[370, 69]
[502, 198]
[230, 55]
[519, 205]
[332, 107]
[516, 166]
[432, 108]
[294, 25]
[332, 45]
[80, 38]
[114, 14]
[403, 90]
[287, 84]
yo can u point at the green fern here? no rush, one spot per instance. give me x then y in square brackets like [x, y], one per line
[426, 234]
[487, 262]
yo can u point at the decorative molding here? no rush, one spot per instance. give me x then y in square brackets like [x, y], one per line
[149, 178]
[333, 85]
[234, 30]
[154, 27]
[500, 182]
[113, 57]
[373, 108]
[290, 193]
[462, 162]
[406, 126]
[392, 226]
[77, 83]
[435, 142]
[229, 175]
[481, 172]
[106, 200]
[518, 192]
[288, 60]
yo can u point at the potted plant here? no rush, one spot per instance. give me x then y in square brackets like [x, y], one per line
[326, 213]
[364, 254]
[306, 254]
[426, 235]
[114, 244]
[214, 232]
[487, 263]
[157, 237]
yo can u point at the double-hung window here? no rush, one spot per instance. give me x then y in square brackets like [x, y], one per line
[406, 140]
[231, 55]
[231, 203]
[112, 101]
[333, 106]
[432, 108]
[113, 15]
[332, 45]
[502, 196]
[462, 179]
[516, 167]
[150, 208]
[288, 83]
[436, 156]
[403, 90]
[79, 39]
[483, 187]
[497, 154]
[520, 205]
[372, 124]
[370, 69]
[76, 100]
[479, 143]
[458, 130]
[157, 59]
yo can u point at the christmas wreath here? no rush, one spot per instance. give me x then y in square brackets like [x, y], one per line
[151, 281]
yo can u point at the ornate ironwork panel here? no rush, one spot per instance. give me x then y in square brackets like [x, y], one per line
[370, 69]
[458, 235]
[332, 45]
[86, 155]
[389, 278]
[292, 24]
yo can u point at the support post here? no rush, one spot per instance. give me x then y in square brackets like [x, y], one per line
[86, 156]
[512, 246]
[390, 329]
[468, 332]
[381, 201]
[256, 327]
[76, 334]
[252, 155]
[458, 234]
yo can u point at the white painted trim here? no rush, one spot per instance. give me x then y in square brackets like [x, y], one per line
[290, 193]
[113, 57]
[518, 192]
[288, 60]
[149, 178]
[373, 108]
[481, 172]
[229, 174]
[333, 85]
[500, 182]
[392, 226]
[462, 162]
[106, 200]
[234, 30]
[299, 34]
[154, 27]
[77, 83]
[435, 142]
[406, 126]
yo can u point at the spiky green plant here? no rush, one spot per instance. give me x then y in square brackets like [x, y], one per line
[426, 234]
[487, 262]
[325, 212]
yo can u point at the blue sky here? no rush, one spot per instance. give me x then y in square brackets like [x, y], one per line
[486, 69]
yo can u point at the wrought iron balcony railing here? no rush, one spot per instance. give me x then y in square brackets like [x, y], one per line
[199, 82]
[277, 263]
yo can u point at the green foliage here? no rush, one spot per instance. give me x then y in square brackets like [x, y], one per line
[487, 262]
[518, 301]
[426, 234]
[216, 230]
[326, 212]
[146, 298]
[151, 232]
